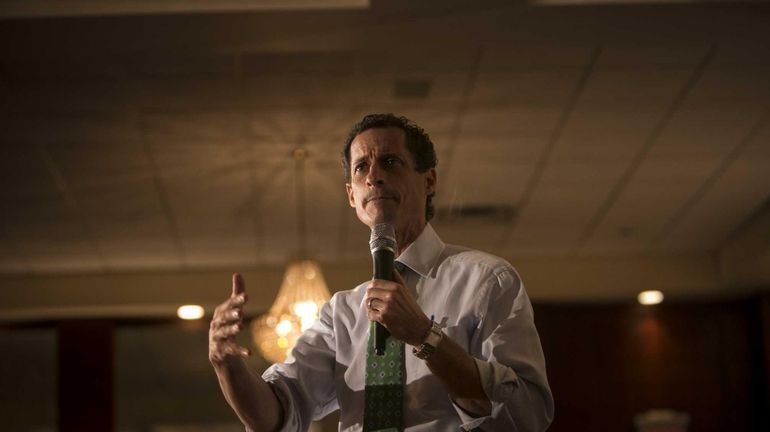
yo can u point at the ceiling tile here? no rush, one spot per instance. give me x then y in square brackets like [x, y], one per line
[633, 87]
[538, 87]
[498, 184]
[511, 118]
[741, 188]
[649, 56]
[508, 57]
[721, 84]
[187, 95]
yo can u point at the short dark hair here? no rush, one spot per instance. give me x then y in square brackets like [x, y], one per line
[417, 141]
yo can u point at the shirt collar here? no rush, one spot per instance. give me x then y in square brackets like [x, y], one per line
[422, 254]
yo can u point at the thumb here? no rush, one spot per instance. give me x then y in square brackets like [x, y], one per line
[239, 287]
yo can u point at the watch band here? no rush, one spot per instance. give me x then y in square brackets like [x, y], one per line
[428, 347]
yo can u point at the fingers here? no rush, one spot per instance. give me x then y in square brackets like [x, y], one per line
[225, 331]
[220, 351]
[236, 350]
[227, 322]
[239, 286]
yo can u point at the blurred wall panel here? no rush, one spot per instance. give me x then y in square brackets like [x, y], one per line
[607, 363]
[85, 384]
[28, 379]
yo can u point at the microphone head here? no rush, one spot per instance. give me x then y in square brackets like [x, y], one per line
[383, 237]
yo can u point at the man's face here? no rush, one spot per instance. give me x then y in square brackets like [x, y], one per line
[384, 185]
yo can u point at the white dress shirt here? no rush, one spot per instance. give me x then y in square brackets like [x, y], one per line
[479, 301]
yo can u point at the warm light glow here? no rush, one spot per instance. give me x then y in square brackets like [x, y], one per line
[190, 312]
[282, 342]
[307, 313]
[283, 328]
[296, 308]
[651, 297]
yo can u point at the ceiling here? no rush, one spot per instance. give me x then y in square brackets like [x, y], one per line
[601, 149]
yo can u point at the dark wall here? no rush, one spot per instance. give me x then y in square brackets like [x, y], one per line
[607, 363]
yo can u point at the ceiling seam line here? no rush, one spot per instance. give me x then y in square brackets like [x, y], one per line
[270, 178]
[456, 128]
[160, 190]
[754, 215]
[257, 224]
[15, 247]
[553, 138]
[63, 187]
[711, 180]
[639, 157]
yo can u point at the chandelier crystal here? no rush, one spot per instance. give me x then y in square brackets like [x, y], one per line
[296, 307]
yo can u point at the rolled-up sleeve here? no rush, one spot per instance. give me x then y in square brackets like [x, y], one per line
[510, 361]
[304, 384]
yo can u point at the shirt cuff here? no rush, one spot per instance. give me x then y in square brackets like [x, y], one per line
[283, 393]
[498, 382]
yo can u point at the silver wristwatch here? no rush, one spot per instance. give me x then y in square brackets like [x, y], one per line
[428, 347]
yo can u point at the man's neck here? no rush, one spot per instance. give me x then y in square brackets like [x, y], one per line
[407, 235]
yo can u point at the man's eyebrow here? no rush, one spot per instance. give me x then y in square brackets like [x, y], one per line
[390, 155]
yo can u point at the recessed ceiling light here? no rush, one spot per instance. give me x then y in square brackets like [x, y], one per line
[651, 297]
[190, 312]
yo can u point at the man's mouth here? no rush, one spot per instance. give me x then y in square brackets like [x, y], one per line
[379, 198]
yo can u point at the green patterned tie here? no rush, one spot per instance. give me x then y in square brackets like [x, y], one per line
[385, 375]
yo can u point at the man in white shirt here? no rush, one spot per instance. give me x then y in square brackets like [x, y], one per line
[478, 363]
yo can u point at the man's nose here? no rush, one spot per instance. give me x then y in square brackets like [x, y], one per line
[374, 176]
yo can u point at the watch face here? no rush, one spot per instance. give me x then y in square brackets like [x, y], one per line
[424, 352]
[431, 342]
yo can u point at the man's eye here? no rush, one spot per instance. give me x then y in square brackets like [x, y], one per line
[359, 168]
[391, 161]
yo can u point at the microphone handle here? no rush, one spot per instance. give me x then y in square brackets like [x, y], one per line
[383, 261]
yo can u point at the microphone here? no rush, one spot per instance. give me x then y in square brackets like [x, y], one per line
[382, 243]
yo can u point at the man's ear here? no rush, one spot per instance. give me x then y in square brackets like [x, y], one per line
[430, 182]
[351, 198]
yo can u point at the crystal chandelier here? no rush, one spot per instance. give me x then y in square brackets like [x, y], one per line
[296, 307]
[302, 293]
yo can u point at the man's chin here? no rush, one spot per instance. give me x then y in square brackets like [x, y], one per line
[382, 217]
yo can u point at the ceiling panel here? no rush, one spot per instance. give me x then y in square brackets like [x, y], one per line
[446, 88]
[500, 56]
[740, 51]
[724, 84]
[709, 132]
[636, 88]
[184, 65]
[563, 208]
[73, 128]
[654, 195]
[118, 153]
[484, 184]
[483, 236]
[739, 189]
[11, 258]
[207, 127]
[511, 118]
[25, 178]
[184, 95]
[660, 189]
[533, 87]
[652, 56]
[92, 96]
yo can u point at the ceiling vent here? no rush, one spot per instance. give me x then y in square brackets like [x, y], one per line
[411, 88]
[477, 213]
